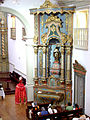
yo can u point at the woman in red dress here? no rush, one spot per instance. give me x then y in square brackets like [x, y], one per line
[20, 93]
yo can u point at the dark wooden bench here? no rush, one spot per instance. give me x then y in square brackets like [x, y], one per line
[29, 106]
[5, 77]
[65, 115]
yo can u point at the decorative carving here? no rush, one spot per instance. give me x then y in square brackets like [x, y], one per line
[36, 28]
[50, 10]
[48, 4]
[3, 46]
[68, 51]
[55, 19]
[44, 50]
[52, 81]
[69, 39]
[78, 68]
[42, 22]
[63, 38]
[35, 40]
[53, 29]
[40, 63]
[36, 81]
[62, 50]
[35, 50]
[44, 38]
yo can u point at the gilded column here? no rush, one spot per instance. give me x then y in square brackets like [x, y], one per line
[68, 81]
[35, 65]
[62, 64]
[44, 65]
[3, 45]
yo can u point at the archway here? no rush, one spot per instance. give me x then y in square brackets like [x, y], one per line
[28, 46]
[19, 16]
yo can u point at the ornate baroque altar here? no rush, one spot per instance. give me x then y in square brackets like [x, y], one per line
[53, 53]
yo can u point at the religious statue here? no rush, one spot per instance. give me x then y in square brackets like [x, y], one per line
[56, 54]
[55, 70]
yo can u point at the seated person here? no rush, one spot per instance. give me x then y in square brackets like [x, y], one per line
[50, 111]
[59, 109]
[43, 111]
[69, 106]
[76, 107]
[55, 109]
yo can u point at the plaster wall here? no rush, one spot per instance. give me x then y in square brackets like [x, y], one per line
[83, 57]
[16, 49]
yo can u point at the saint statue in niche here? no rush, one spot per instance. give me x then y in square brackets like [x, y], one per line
[55, 70]
[56, 54]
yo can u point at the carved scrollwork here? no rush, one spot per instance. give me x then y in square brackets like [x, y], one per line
[44, 50]
[44, 38]
[53, 29]
[35, 50]
[41, 63]
[35, 40]
[48, 4]
[63, 38]
[69, 39]
[62, 50]
[55, 19]
[68, 51]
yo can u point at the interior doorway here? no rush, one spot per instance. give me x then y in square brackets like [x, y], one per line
[79, 84]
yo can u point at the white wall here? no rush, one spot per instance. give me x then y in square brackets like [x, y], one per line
[16, 49]
[83, 57]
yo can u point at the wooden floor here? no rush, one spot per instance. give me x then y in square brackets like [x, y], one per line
[10, 111]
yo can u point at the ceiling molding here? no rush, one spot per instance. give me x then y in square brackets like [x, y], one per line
[76, 3]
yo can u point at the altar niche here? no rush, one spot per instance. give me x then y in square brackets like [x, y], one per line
[53, 53]
[54, 68]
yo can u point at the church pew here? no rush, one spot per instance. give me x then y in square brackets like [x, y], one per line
[29, 106]
[65, 115]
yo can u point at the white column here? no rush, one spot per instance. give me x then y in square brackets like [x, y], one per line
[29, 69]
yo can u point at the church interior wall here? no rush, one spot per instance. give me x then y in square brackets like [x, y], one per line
[16, 48]
[83, 57]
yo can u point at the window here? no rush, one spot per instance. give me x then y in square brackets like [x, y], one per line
[13, 29]
[81, 29]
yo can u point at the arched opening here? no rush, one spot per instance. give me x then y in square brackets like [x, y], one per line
[19, 16]
[13, 52]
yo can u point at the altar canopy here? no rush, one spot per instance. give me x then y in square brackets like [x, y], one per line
[53, 26]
